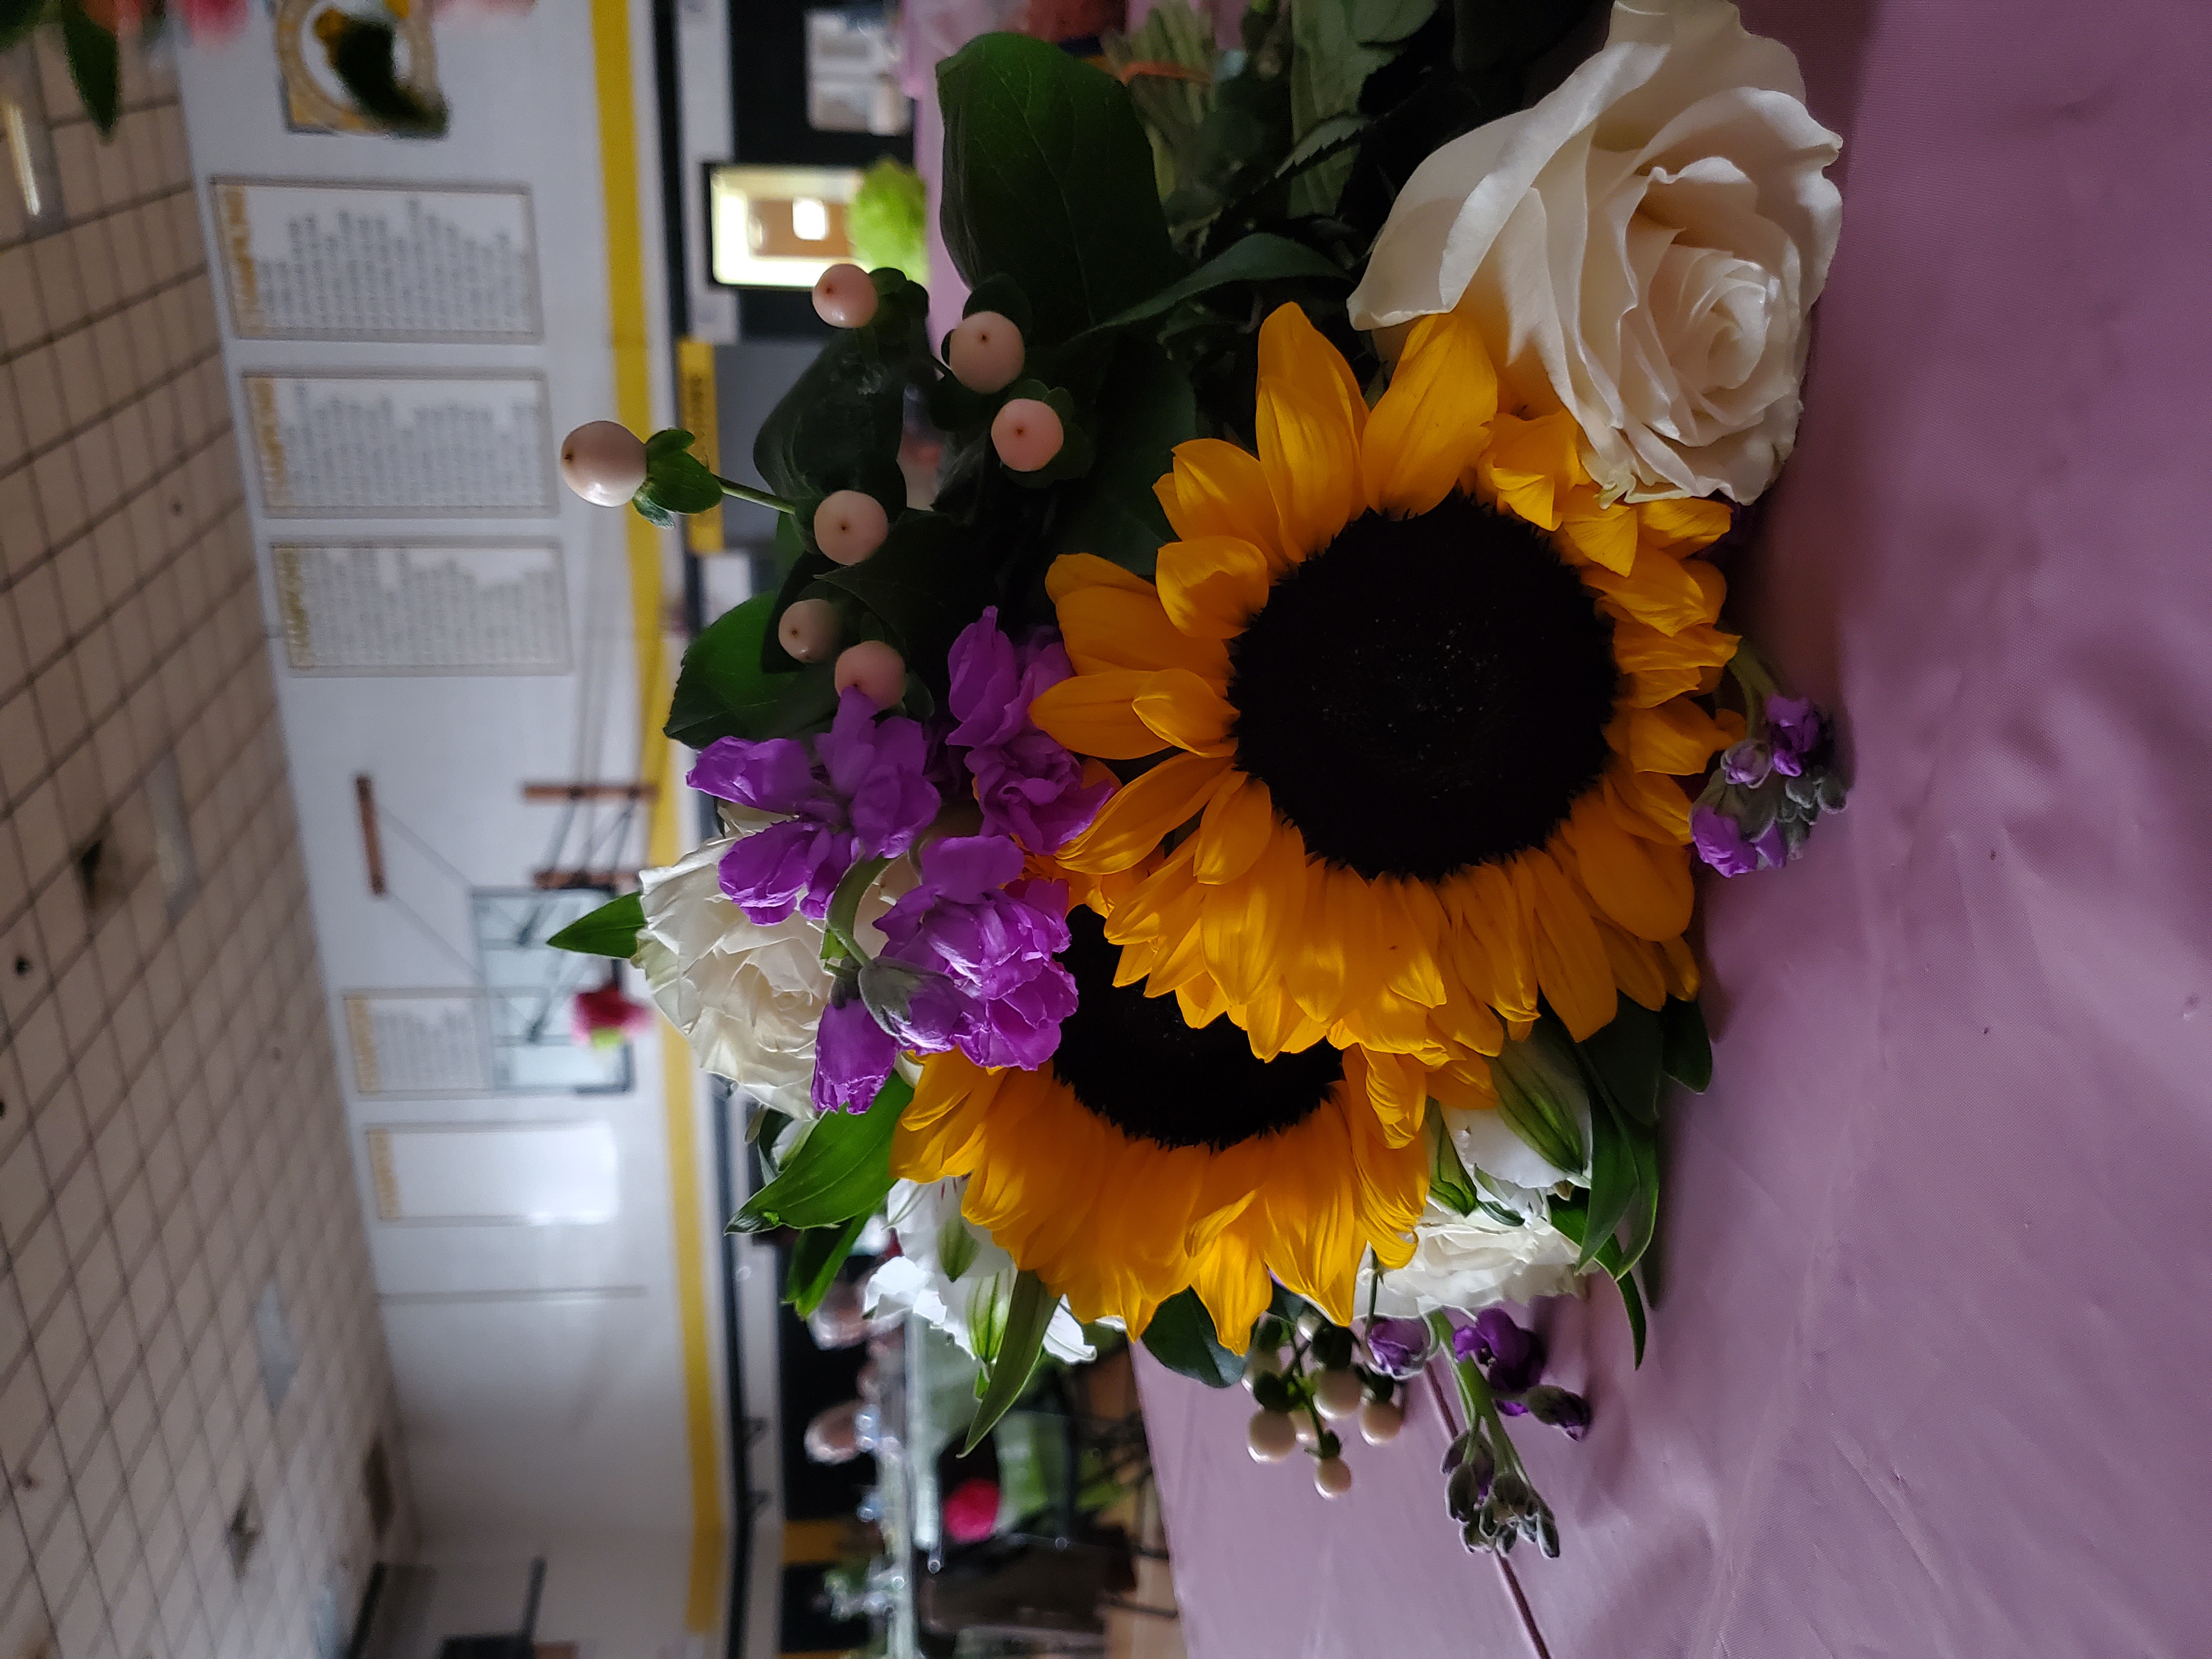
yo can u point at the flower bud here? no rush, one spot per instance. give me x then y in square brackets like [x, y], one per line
[919, 1007]
[1027, 433]
[1570, 1414]
[602, 461]
[1469, 1485]
[844, 297]
[985, 353]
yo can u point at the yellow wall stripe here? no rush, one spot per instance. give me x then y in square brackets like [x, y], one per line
[632, 344]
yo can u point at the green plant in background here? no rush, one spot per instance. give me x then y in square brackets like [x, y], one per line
[888, 220]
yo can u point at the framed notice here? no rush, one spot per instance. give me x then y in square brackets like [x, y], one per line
[402, 446]
[308, 261]
[423, 607]
[493, 1041]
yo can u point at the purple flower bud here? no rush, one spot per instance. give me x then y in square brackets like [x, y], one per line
[1570, 1414]
[853, 1054]
[1772, 847]
[1745, 764]
[1400, 1347]
[1511, 1358]
[1720, 842]
[1796, 727]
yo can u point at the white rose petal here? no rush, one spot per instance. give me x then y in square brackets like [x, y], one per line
[1639, 247]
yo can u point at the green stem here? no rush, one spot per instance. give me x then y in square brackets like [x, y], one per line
[757, 497]
[838, 942]
[1758, 682]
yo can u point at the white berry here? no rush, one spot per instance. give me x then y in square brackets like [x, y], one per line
[1338, 1393]
[1270, 1437]
[1380, 1421]
[602, 461]
[873, 669]
[1262, 1362]
[844, 297]
[1331, 1477]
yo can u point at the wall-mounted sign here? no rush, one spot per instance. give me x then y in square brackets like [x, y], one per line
[402, 446]
[423, 607]
[307, 261]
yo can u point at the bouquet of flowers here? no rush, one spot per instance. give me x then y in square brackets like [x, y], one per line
[1232, 846]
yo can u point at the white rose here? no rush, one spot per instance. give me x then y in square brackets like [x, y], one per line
[1471, 1262]
[748, 997]
[934, 1240]
[1639, 247]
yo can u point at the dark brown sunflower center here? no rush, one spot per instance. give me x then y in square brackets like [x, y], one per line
[1129, 1058]
[1425, 694]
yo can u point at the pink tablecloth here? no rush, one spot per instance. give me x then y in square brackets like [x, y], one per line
[1926, 1384]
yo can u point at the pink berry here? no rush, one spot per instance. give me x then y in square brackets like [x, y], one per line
[849, 525]
[602, 461]
[1331, 1477]
[1380, 1421]
[1270, 1437]
[985, 352]
[844, 297]
[1338, 1393]
[1026, 434]
[872, 669]
[809, 630]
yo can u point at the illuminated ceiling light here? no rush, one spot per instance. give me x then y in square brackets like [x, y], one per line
[809, 219]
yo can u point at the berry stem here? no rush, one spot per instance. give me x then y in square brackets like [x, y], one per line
[757, 497]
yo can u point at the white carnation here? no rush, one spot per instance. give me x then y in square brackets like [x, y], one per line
[1471, 1262]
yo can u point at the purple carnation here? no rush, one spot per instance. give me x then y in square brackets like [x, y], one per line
[1721, 842]
[862, 794]
[852, 1055]
[1797, 729]
[993, 938]
[1029, 786]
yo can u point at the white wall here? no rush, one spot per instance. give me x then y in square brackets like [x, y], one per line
[530, 1418]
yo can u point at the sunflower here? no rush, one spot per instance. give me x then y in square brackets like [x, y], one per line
[1420, 695]
[1149, 1155]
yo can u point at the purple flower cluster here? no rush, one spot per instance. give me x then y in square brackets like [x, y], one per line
[969, 964]
[1768, 791]
[863, 792]
[1511, 1358]
[1029, 786]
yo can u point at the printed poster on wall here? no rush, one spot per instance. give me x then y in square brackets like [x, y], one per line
[310, 261]
[402, 446]
[423, 607]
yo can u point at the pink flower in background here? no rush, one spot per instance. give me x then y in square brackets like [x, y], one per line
[605, 1018]
[971, 1513]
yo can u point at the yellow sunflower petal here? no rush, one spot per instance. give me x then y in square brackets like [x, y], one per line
[1434, 417]
[1398, 1090]
[1211, 585]
[1094, 714]
[1246, 922]
[1683, 524]
[1682, 966]
[1677, 737]
[1571, 965]
[1232, 1281]
[1143, 809]
[1657, 590]
[1219, 489]
[1185, 711]
[1641, 885]
[1201, 1001]
[1412, 921]
[1531, 464]
[1310, 418]
[1233, 830]
[1655, 800]
[1339, 952]
[1106, 625]
[1639, 966]
[1071, 572]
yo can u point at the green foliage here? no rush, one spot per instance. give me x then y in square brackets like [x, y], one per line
[1021, 1344]
[1182, 1338]
[676, 480]
[815, 1260]
[18, 18]
[841, 1171]
[95, 64]
[722, 690]
[1048, 181]
[926, 583]
[888, 220]
[609, 931]
[1685, 1049]
[1450, 1184]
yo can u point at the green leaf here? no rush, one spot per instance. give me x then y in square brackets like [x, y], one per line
[956, 1246]
[1686, 1051]
[1542, 1096]
[926, 582]
[1384, 22]
[1624, 1055]
[838, 426]
[1029, 1315]
[680, 482]
[1570, 1219]
[650, 510]
[1329, 66]
[1048, 181]
[1146, 410]
[609, 931]
[668, 440]
[722, 691]
[18, 18]
[815, 1260]
[843, 1168]
[1450, 1184]
[1643, 1218]
[1613, 1180]
[1262, 257]
[95, 63]
[1182, 1338]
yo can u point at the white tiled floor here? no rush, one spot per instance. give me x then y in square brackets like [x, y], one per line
[172, 1136]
